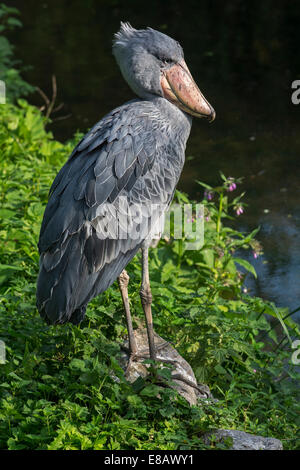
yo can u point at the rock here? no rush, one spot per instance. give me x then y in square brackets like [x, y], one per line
[242, 440]
[165, 353]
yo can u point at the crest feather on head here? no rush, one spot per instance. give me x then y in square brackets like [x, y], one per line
[124, 35]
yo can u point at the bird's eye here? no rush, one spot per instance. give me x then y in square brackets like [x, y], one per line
[166, 61]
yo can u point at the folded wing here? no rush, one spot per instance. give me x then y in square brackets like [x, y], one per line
[88, 236]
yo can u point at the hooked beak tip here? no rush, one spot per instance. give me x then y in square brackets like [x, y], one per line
[212, 116]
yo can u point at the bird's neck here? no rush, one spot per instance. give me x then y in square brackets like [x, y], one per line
[173, 118]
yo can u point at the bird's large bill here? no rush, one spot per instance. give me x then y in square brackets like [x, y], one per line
[180, 88]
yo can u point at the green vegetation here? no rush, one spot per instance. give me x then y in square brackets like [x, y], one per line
[58, 387]
[9, 67]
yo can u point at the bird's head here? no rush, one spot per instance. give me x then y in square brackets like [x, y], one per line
[153, 64]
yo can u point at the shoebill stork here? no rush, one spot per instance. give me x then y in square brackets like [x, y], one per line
[135, 154]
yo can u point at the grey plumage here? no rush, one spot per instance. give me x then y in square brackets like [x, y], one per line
[75, 265]
[134, 154]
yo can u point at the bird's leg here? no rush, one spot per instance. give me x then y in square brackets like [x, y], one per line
[123, 281]
[146, 299]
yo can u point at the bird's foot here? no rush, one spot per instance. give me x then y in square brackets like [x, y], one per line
[133, 357]
[129, 364]
[203, 389]
[144, 353]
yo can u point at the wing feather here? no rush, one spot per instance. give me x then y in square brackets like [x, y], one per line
[81, 252]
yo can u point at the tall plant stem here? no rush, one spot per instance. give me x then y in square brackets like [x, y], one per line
[220, 215]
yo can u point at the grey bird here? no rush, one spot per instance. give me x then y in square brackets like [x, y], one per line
[108, 200]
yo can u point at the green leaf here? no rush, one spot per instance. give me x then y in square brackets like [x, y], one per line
[14, 22]
[78, 364]
[7, 272]
[218, 368]
[246, 265]
[208, 257]
[150, 391]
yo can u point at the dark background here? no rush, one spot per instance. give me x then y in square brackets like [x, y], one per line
[244, 57]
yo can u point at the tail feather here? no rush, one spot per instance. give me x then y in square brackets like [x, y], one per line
[64, 291]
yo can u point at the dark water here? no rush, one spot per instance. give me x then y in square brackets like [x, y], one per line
[244, 57]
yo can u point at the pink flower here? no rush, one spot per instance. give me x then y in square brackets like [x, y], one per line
[255, 255]
[239, 210]
[208, 195]
[231, 183]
